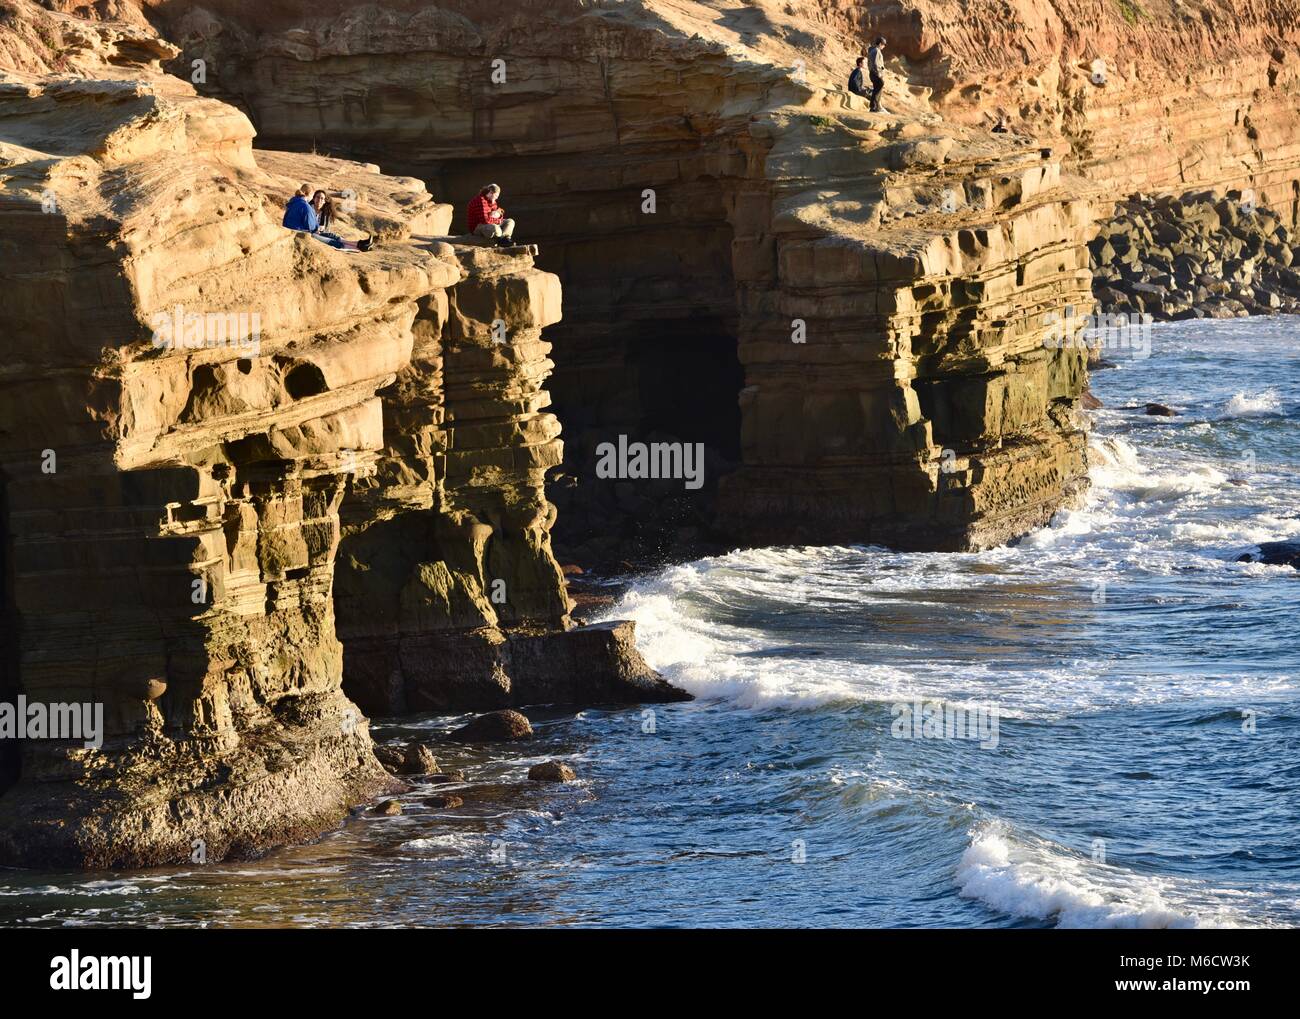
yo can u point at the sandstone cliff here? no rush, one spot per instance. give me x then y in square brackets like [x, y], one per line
[847, 310]
[1145, 95]
[194, 397]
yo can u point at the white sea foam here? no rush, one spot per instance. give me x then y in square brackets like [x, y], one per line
[1242, 405]
[455, 842]
[1045, 882]
[688, 629]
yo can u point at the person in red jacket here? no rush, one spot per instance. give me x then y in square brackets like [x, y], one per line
[487, 219]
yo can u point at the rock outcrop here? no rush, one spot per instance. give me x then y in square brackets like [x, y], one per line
[845, 310]
[202, 412]
[183, 379]
[1143, 96]
[849, 315]
[1276, 553]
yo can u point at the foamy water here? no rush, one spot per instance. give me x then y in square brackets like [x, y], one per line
[1146, 687]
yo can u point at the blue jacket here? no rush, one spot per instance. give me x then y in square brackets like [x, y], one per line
[299, 215]
[855, 82]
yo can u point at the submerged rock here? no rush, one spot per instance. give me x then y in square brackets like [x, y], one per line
[444, 801]
[388, 808]
[1277, 553]
[1160, 410]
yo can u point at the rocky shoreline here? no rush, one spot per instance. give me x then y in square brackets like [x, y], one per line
[241, 552]
[1203, 254]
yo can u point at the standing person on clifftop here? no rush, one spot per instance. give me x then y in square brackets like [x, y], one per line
[487, 219]
[876, 68]
[855, 80]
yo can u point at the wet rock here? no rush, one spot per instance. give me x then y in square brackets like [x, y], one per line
[595, 664]
[445, 777]
[551, 771]
[1160, 410]
[591, 664]
[413, 759]
[1280, 553]
[388, 808]
[1089, 402]
[419, 760]
[495, 727]
[444, 801]
[391, 758]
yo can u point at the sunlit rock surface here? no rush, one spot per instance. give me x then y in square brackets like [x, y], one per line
[851, 312]
[847, 309]
[193, 396]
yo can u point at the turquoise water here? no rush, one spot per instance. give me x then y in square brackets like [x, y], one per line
[1144, 684]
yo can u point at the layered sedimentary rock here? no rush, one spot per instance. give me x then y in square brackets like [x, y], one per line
[175, 405]
[193, 399]
[717, 204]
[1168, 95]
[448, 595]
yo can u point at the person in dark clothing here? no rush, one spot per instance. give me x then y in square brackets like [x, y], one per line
[876, 69]
[855, 80]
[301, 215]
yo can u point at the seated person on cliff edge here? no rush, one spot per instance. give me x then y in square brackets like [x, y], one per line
[855, 80]
[487, 219]
[301, 214]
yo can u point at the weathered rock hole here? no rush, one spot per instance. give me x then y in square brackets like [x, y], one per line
[303, 380]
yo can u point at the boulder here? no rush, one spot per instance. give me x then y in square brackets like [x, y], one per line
[443, 801]
[419, 760]
[551, 771]
[1160, 410]
[495, 727]
[413, 759]
[388, 808]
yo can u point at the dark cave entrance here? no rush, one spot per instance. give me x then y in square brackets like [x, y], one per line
[663, 384]
[10, 756]
[647, 348]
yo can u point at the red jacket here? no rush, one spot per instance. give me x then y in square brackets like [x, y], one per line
[481, 211]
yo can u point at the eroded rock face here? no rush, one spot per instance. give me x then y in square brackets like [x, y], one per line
[191, 393]
[213, 431]
[1147, 97]
[172, 509]
[884, 283]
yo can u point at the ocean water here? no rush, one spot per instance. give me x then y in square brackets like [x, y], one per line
[1139, 690]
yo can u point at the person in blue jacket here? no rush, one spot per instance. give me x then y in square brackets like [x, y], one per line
[299, 215]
